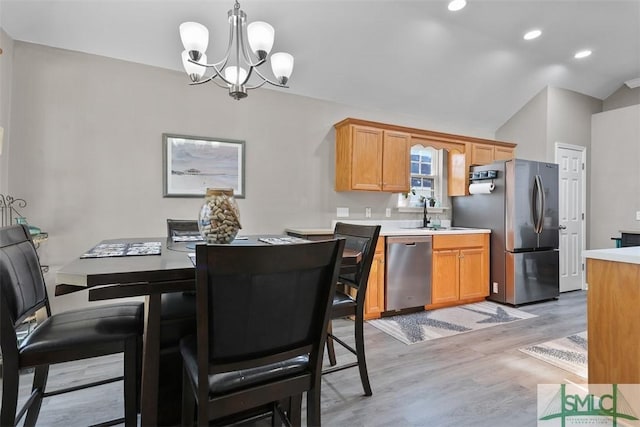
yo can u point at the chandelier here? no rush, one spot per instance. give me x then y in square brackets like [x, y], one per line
[237, 70]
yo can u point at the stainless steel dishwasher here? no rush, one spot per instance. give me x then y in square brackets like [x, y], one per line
[408, 265]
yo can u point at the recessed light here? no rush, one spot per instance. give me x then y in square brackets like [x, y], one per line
[456, 5]
[533, 34]
[582, 54]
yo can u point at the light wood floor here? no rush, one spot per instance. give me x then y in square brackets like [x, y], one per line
[478, 378]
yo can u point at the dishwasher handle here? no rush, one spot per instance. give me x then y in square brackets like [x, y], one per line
[409, 240]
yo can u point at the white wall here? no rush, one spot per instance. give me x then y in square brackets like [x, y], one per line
[6, 68]
[615, 171]
[528, 128]
[622, 97]
[553, 115]
[87, 151]
[569, 118]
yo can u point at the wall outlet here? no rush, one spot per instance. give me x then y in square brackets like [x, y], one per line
[637, 215]
[342, 212]
[495, 287]
[387, 213]
[367, 212]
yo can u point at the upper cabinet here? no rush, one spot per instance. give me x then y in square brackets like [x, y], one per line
[371, 159]
[483, 154]
[373, 156]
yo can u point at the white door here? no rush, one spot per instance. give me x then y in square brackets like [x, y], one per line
[572, 162]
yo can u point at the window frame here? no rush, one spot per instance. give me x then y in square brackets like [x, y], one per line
[436, 176]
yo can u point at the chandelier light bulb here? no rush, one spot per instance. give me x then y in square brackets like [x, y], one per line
[237, 78]
[195, 71]
[260, 36]
[282, 66]
[195, 38]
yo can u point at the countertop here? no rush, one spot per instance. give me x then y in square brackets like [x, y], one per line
[630, 255]
[391, 228]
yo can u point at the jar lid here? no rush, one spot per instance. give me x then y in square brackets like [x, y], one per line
[217, 191]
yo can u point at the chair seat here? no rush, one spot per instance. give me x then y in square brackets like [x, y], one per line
[177, 318]
[82, 333]
[238, 380]
[343, 305]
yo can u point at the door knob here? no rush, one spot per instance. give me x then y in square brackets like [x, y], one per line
[562, 227]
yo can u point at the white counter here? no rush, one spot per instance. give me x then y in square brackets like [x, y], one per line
[630, 255]
[392, 228]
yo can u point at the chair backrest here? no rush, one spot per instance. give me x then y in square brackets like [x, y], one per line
[362, 238]
[257, 305]
[177, 226]
[22, 287]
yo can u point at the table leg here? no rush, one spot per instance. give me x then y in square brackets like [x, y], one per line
[151, 362]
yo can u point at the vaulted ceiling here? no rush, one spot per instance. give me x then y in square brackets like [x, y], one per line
[409, 57]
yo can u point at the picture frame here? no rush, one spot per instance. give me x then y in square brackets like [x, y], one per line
[191, 164]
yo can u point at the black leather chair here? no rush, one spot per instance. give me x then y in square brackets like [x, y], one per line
[181, 227]
[262, 321]
[362, 238]
[64, 337]
[177, 320]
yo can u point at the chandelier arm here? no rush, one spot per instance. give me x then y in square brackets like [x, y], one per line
[269, 81]
[256, 86]
[199, 82]
[225, 86]
[220, 63]
[245, 51]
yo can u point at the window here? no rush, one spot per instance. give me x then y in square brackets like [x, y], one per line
[425, 171]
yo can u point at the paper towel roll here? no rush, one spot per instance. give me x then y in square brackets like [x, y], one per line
[481, 188]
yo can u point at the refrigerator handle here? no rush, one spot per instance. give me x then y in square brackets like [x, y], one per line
[534, 205]
[539, 203]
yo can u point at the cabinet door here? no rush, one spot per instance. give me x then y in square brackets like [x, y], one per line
[374, 301]
[446, 276]
[396, 161]
[481, 154]
[458, 174]
[503, 153]
[366, 158]
[474, 281]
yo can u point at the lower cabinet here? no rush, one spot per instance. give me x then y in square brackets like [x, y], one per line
[460, 269]
[374, 301]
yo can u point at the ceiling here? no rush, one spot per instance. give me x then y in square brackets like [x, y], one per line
[407, 57]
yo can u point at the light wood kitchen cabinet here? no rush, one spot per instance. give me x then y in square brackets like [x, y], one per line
[374, 301]
[396, 157]
[372, 156]
[483, 154]
[371, 159]
[460, 269]
[503, 153]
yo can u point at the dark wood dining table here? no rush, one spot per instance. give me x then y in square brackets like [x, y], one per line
[149, 276]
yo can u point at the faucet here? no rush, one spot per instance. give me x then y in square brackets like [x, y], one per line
[425, 220]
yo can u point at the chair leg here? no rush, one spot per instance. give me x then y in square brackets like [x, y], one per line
[331, 352]
[10, 382]
[188, 401]
[39, 383]
[139, 348]
[313, 405]
[362, 361]
[295, 410]
[131, 382]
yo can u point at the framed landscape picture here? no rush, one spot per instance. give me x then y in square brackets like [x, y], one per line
[194, 163]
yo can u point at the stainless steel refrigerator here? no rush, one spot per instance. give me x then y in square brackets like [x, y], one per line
[522, 213]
